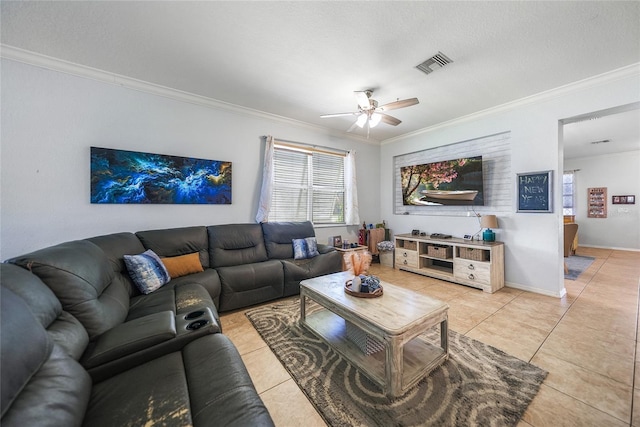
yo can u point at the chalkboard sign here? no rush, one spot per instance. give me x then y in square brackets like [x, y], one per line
[534, 192]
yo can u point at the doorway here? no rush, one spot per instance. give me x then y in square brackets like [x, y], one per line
[602, 150]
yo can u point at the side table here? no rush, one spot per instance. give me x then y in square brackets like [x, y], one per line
[344, 251]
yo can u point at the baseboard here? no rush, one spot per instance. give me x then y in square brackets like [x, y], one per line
[535, 290]
[609, 247]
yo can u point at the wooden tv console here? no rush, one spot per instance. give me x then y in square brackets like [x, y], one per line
[469, 262]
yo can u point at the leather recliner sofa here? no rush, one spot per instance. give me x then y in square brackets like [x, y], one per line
[202, 383]
[117, 331]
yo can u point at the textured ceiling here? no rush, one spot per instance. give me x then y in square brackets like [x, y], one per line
[303, 59]
[621, 130]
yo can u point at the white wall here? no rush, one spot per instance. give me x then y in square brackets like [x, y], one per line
[50, 119]
[620, 173]
[533, 258]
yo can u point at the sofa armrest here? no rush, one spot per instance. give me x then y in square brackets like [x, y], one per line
[182, 334]
[131, 337]
[325, 249]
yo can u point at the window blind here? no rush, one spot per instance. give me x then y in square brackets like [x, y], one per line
[308, 185]
[568, 193]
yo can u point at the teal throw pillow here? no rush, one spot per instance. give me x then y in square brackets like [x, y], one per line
[147, 271]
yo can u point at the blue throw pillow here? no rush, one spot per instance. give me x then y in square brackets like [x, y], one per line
[147, 271]
[312, 247]
[305, 248]
[299, 249]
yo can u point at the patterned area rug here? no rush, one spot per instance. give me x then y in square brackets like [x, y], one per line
[577, 265]
[477, 386]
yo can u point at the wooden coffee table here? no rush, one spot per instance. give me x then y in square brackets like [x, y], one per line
[396, 320]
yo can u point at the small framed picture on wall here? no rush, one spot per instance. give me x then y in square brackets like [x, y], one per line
[624, 200]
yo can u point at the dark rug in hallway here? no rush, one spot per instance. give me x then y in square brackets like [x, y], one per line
[577, 265]
[478, 385]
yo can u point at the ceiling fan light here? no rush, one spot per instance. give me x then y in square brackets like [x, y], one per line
[375, 119]
[362, 119]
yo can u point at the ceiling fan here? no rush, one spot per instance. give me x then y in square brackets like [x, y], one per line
[370, 114]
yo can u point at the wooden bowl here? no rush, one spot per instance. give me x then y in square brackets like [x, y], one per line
[375, 294]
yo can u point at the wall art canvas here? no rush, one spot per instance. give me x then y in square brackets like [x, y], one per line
[120, 176]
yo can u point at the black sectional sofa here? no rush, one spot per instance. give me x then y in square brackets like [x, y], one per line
[82, 345]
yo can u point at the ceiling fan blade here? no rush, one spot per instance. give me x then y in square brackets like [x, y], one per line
[390, 120]
[324, 116]
[399, 104]
[363, 99]
[353, 126]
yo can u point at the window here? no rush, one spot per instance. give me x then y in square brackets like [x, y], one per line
[308, 185]
[568, 193]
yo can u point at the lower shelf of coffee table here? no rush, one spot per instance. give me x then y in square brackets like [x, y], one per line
[419, 356]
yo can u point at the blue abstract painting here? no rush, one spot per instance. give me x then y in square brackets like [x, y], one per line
[120, 176]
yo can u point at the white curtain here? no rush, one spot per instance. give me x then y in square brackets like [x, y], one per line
[351, 214]
[264, 206]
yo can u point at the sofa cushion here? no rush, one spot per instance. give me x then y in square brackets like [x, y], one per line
[115, 246]
[178, 241]
[39, 380]
[184, 298]
[18, 324]
[41, 301]
[147, 271]
[297, 270]
[236, 244]
[230, 388]
[204, 384]
[82, 278]
[63, 328]
[69, 334]
[208, 279]
[248, 284]
[181, 265]
[279, 235]
[154, 393]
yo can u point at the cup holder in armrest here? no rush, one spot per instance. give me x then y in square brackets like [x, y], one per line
[199, 319]
[197, 324]
[194, 315]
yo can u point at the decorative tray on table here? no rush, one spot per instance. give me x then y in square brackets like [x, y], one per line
[377, 292]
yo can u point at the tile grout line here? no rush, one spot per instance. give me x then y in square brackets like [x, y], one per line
[554, 328]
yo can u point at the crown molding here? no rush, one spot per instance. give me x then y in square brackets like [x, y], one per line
[67, 67]
[600, 79]
[60, 65]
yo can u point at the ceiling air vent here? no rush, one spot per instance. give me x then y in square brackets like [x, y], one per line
[438, 60]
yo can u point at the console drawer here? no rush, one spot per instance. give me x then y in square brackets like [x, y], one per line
[406, 258]
[472, 271]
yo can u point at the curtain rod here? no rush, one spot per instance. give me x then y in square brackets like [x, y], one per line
[330, 150]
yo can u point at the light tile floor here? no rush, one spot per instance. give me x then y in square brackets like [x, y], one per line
[588, 341]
